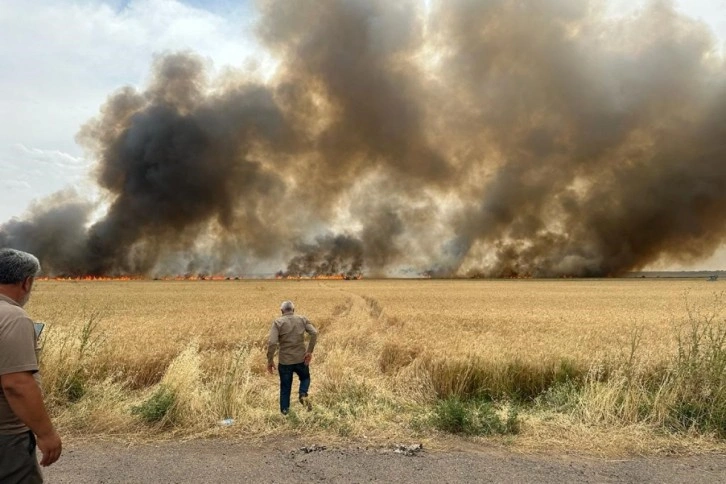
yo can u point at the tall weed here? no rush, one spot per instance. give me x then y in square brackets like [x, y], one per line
[67, 360]
[685, 391]
[476, 377]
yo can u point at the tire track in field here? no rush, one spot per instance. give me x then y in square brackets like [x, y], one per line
[358, 305]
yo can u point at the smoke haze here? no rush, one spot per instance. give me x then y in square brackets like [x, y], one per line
[490, 138]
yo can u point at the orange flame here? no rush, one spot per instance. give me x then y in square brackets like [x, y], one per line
[91, 278]
[186, 277]
[328, 277]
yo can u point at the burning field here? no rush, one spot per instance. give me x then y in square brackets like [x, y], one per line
[448, 138]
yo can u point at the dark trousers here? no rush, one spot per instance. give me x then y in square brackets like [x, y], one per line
[286, 371]
[18, 463]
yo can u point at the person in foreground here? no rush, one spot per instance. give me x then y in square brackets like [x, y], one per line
[288, 332]
[23, 417]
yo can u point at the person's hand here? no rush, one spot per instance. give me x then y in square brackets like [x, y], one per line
[308, 358]
[50, 446]
[270, 368]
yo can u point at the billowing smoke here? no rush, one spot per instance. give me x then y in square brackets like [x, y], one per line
[489, 137]
[330, 255]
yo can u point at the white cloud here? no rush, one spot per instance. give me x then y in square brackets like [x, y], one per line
[710, 12]
[15, 185]
[54, 158]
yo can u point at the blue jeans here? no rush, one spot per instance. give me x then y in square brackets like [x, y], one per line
[303, 373]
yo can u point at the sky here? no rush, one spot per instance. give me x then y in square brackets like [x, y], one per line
[59, 61]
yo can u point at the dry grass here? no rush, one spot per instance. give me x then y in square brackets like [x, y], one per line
[392, 355]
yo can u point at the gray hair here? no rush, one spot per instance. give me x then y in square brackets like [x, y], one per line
[16, 266]
[287, 307]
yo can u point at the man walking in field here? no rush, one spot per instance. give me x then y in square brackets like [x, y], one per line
[288, 332]
[22, 412]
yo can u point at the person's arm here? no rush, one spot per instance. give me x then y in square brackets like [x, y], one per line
[313, 332]
[26, 401]
[272, 344]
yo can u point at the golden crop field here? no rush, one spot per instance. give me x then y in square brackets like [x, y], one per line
[534, 362]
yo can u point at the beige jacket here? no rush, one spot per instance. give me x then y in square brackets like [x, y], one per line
[288, 332]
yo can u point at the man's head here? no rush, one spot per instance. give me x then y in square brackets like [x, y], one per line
[287, 307]
[17, 272]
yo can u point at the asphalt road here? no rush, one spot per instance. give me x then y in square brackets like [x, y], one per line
[283, 461]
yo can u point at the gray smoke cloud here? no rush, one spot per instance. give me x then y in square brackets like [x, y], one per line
[489, 138]
[330, 255]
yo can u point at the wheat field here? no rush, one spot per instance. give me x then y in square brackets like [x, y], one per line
[595, 365]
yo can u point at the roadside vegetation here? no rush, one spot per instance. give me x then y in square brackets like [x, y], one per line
[613, 366]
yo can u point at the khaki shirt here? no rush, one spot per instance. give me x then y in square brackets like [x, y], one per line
[288, 332]
[17, 354]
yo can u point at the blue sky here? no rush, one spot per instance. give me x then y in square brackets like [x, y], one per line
[59, 60]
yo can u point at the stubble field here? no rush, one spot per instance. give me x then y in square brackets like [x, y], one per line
[603, 366]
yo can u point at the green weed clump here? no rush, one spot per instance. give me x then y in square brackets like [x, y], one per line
[159, 407]
[561, 397]
[457, 416]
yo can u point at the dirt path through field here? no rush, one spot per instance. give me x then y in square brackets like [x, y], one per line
[357, 306]
[277, 460]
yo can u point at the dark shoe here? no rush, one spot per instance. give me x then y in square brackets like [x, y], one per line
[305, 401]
[284, 412]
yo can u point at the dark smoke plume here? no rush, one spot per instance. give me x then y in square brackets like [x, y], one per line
[491, 137]
[330, 255]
